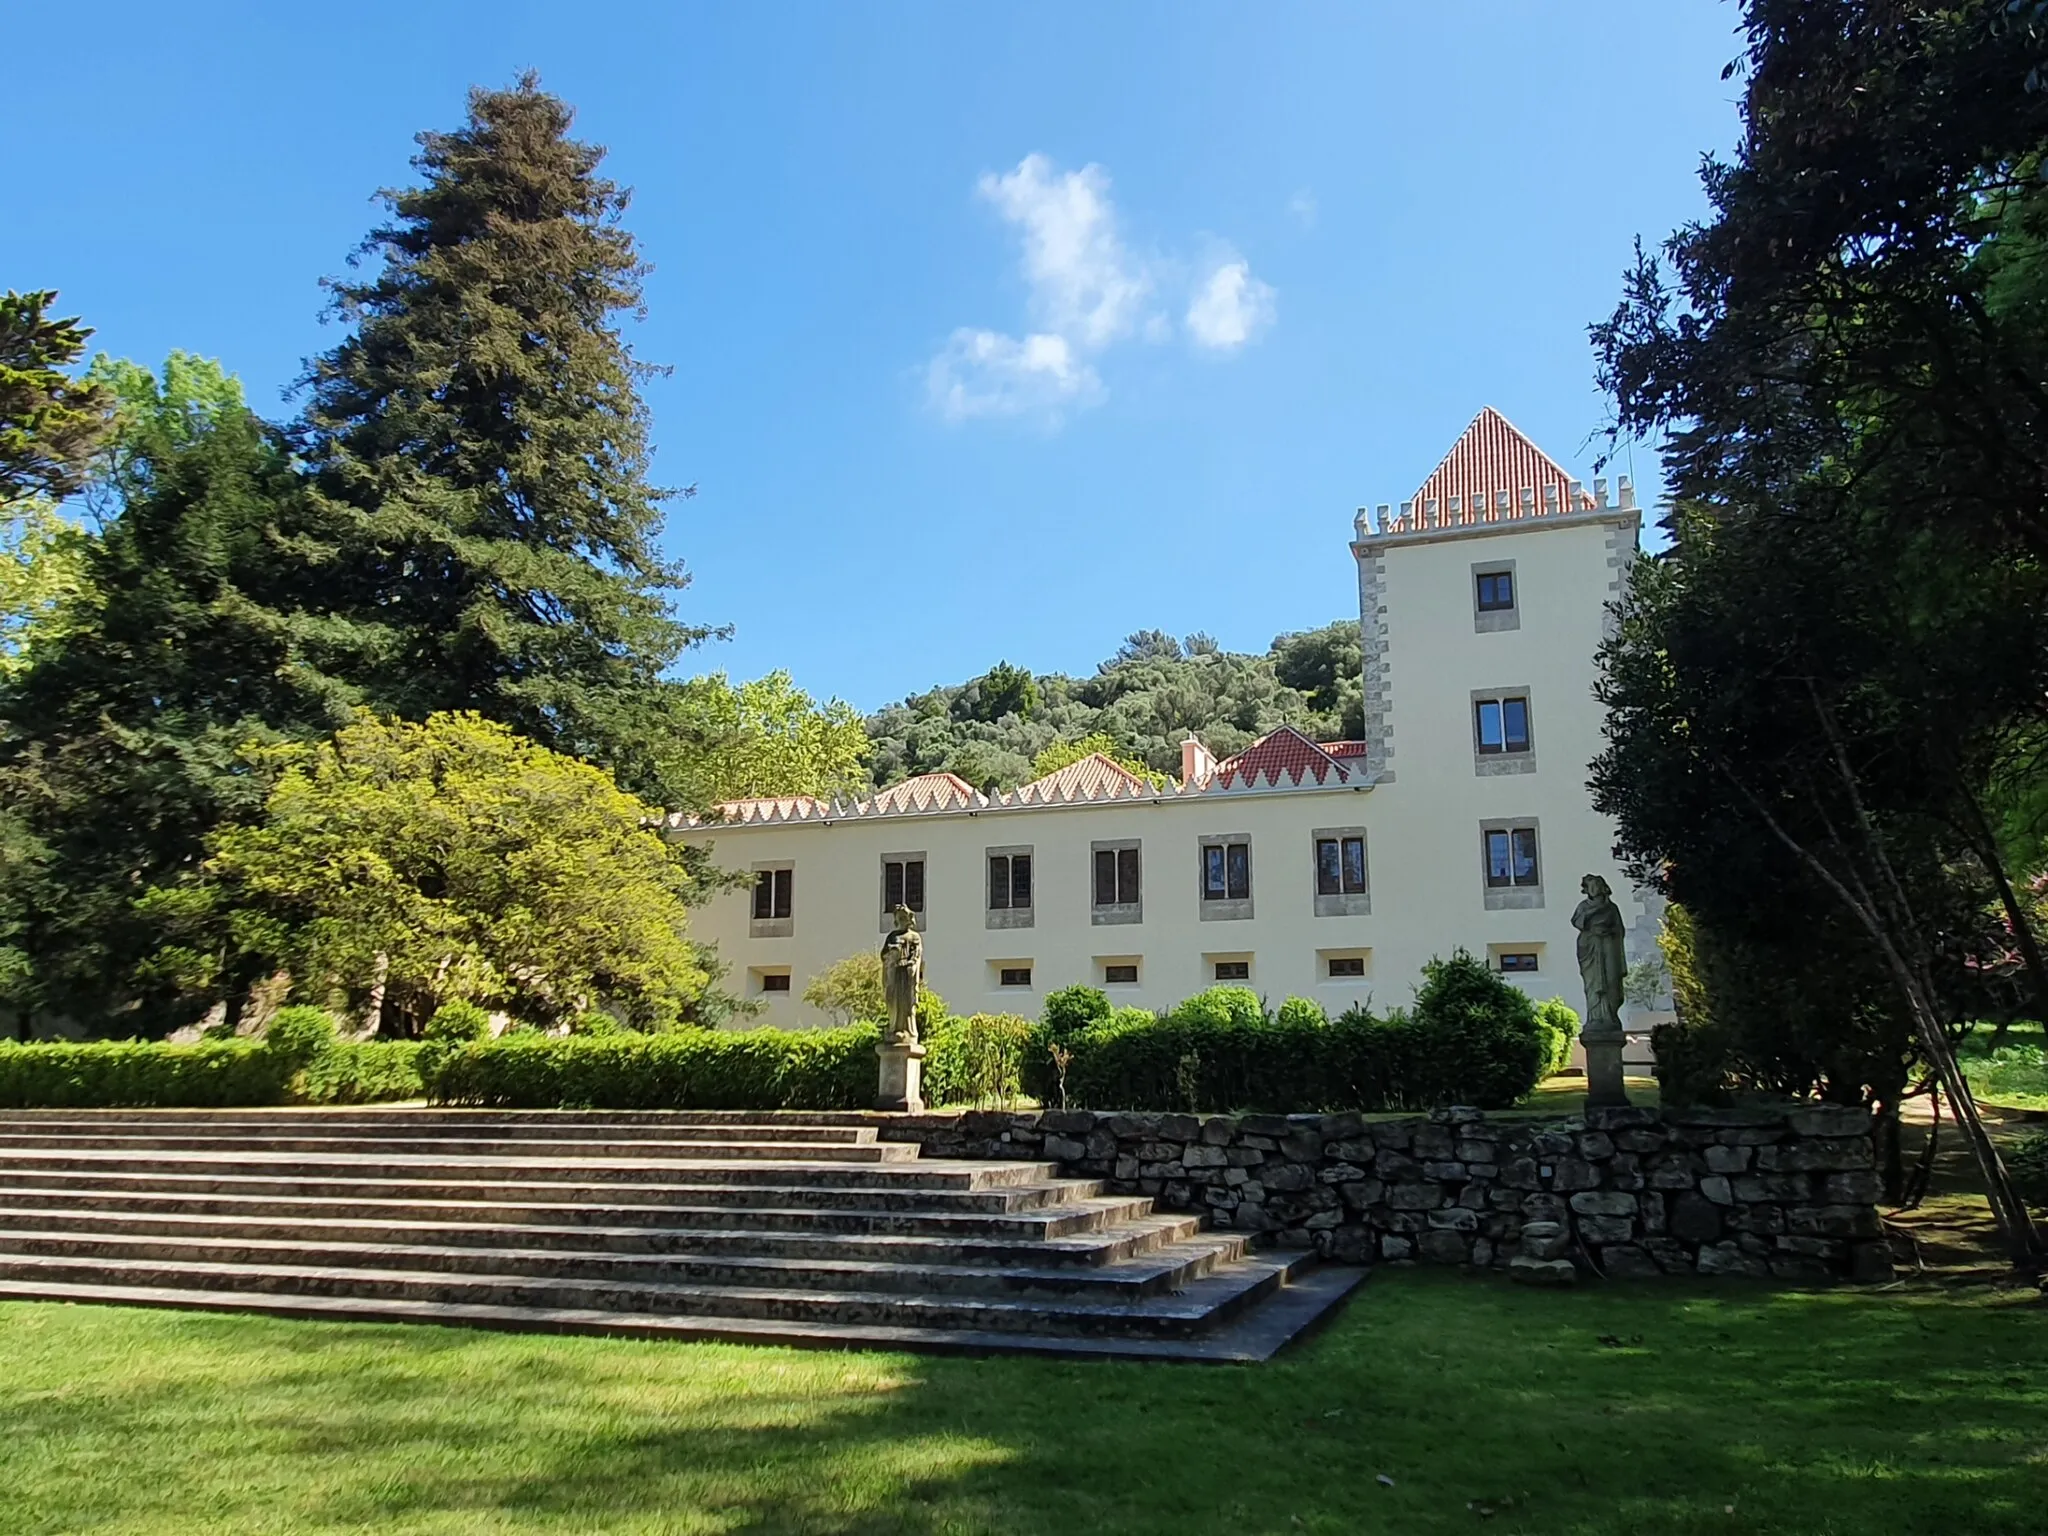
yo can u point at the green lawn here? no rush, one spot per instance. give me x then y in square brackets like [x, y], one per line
[2013, 1077]
[1653, 1409]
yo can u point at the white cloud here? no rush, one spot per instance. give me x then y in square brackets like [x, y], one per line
[985, 373]
[1087, 292]
[1303, 206]
[1230, 308]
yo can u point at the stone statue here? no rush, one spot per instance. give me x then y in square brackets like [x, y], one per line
[1603, 967]
[902, 975]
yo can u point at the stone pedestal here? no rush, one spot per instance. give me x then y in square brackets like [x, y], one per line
[902, 1083]
[1604, 1086]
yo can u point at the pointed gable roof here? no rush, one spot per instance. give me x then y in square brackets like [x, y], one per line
[926, 792]
[1282, 756]
[1491, 456]
[1094, 777]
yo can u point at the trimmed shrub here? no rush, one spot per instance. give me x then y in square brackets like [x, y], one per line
[1072, 1010]
[458, 1020]
[140, 1074]
[299, 1036]
[980, 1059]
[365, 1072]
[1472, 1039]
[684, 1069]
[1562, 1022]
[595, 1021]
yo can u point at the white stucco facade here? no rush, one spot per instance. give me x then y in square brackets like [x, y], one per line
[1418, 790]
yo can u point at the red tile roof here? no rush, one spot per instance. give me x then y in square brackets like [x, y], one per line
[1095, 777]
[927, 791]
[1488, 458]
[1284, 754]
[1346, 748]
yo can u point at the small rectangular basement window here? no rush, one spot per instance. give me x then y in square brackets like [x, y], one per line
[1518, 960]
[1346, 965]
[775, 981]
[1015, 976]
[1233, 970]
[1119, 973]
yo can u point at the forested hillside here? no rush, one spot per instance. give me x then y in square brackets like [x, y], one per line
[993, 729]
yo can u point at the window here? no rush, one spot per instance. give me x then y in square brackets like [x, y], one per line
[1227, 872]
[1518, 960]
[1115, 974]
[1233, 970]
[1511, 857]
[775, 981]
[1494, 598]
[1501, 725]
[772, 891]
[1342, 966]
[903, 884]
[1496, 591]
[1015, 975]
[1009, 882]
[1116, 876]
[1340, 866]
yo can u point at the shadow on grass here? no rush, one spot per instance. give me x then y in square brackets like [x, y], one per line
[1653, 1409]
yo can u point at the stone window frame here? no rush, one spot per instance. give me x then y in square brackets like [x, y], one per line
[772, 927]
[1343, 903]
[1211, 963]
[917, 918]
[1511, 898]
[1489, 765]
[1361, 953]
[1224, 909]
[1101, 914]
[1012, 917]
[998, 969]
[1493, 621]
[1104, 964]
[757, 981]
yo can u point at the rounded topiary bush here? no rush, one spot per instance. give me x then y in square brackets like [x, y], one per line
[1562, 1021]
[459, 1021]
[1073, 1010]
[1480, 1040]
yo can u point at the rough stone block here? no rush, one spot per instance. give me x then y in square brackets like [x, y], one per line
[1258, 1143]
[1830, 1120]
[1672, 1170]
[1394, 1165]
[1243, 1157]
[1472, 1197]
[1604, 1202]
[1695, 1219]
[1792, 1267]
[1722, 1159]
[1504, 1199]
[1574, 1173]
[1356, 1150]
[1626, 1261]
[1621, 1117]
[1064, 1149]
[1200, 1156]
[1362, 1193]
[1252, 1190]
[1233, 1177]
[1520, 1173]
[1396, 1135]
[1766, 1219]
[1345, 1123]
[1870, 1263]
[1441, 1247]
[1159, 1151]
[1322, 1220]
[1433, 1142]
[1469, 1150]
[1178, 1194]
[1832, 1221]
[1458, 1114]
[1544, 1240]
[1221, 1199]
[1414, 1197]
[1606, 1229]
[1862, 1187]
[1672, 1256]
[1217, 1131]
[1596, 1146]
[1392, 1247]
[1449, 1172]
[1625, 1172]
[1816, 1157]
[1640, 1141]
[1783, 1188]
[1543, 1207]
[1727, 1259]
[1126, 1168]
[1302, 1146]
[1179, 1128]
[1409, 1222]
[1286, 1176]
[1263, 1125]
[1454, 1218]
[1339, 1173]
[1653, 1207]
[1549, 1273]
[1482, 1253]
[1717, 1189]
[1351, 1244]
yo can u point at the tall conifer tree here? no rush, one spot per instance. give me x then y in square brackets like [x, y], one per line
[482, 430]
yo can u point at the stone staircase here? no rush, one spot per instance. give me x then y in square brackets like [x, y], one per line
[770, 1228]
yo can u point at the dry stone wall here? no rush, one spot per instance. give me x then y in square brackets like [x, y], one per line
[1787, 1191]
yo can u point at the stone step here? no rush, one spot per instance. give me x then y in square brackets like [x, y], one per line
[1132, 1234]
[1057, 1218]
[430, 1136]
[889, 1165]
[1172, 1267]
[1203, 1303]
[1250, 1335]
[946, 1190]
[429, 1117]
[583, 1145]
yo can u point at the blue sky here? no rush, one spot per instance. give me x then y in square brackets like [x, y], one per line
[998, 331]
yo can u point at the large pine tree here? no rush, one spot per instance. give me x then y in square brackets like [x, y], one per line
[482, 432]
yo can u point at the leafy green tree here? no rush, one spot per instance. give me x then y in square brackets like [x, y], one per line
[1813, 695]
[1004, 690]
[154, 415]
[416, 864]
[50, 423]
[850, 990]
[42, 571]
[121, 734]
[482, 431]
[767, 738]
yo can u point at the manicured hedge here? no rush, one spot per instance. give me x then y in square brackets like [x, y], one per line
[365, 1072]
[214, 1074]
[689, 1069]
[1471, 1038]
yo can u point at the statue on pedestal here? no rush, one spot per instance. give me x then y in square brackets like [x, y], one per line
[1603, 969]
[902, 1058]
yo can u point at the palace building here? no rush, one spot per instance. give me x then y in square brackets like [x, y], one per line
[1329, 870]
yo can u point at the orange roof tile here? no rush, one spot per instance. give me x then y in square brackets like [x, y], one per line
[1490, 457]
[1284, 754]
[1094, 777]
[927, 791]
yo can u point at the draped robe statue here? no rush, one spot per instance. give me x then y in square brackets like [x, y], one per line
[902, 974]
[1603, 961]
